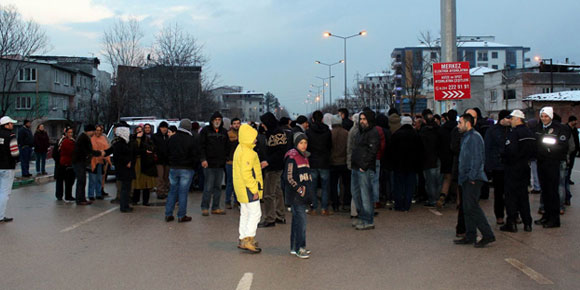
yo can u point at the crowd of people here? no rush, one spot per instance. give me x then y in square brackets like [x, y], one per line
[320, 165]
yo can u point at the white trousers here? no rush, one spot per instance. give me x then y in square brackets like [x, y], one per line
[6, 180]
[250, 214]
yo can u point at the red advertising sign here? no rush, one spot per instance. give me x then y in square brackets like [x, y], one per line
[451, 81]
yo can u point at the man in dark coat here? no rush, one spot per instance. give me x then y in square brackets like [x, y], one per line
[278, 143]
[319, 146]
[160, 140]
[81, 158]
[429, 134]
[25, 143]
[572, 120]
[446, 155]
[347, 123]
[407, 151]
[495, 140]
[363, 164]
[214, 152]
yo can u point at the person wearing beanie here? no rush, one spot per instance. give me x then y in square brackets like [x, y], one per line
[363, 164]
[394, 120]
[7, 163]
[215, 147]
[81, 160]
[495, 140]
[275, 144]
[248, 186]
[320, 147]
[160, 142]
[183, 157]
[519, 149]
[299, 192]
[338, 169]
[552, 150]
[233, 136]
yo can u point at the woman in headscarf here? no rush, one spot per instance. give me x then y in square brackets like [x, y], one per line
[145, 170]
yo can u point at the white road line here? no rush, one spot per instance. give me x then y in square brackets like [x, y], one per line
[89, 220]
[539, 278]
[246, 282]
[435, 212]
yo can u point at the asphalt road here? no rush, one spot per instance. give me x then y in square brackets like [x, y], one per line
[54, 245]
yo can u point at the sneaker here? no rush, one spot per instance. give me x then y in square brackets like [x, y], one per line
[302, 254]
[364, 227]
[356, 222]
[218, 211]
[205, 212]
[292, 252]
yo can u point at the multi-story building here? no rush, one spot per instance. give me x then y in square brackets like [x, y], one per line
[45, 92]
[375, 91]
[506, 89]
[412, 65]
[248, 106]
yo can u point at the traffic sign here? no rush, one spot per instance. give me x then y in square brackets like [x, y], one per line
[451, 81]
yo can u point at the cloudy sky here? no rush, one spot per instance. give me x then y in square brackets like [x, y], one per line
[269, 45]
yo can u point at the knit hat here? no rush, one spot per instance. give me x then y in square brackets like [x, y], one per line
[185, 124]
[503, 114]
[301, 120]
[548, 111]
[336, 120]
[90, 127]
[299, 137]
[406, 120]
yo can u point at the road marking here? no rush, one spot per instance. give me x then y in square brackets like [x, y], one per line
[435, 212]
[89, 220]
[246, 282]
[539, 278]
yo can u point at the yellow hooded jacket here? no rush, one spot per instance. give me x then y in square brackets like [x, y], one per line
[247, 172]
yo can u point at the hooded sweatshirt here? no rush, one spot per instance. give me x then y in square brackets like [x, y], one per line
[277, 143]
[214, 144]
[366, 145]
[319, 145]
[247, 172]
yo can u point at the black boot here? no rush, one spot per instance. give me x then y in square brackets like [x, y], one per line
[145, 197]
[509, 227]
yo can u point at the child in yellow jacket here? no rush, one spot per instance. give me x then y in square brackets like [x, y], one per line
[248, 186]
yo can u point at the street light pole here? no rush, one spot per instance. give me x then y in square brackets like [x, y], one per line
[328, 34]
[329, 75]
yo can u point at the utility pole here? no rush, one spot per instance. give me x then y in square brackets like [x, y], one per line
[448, 38]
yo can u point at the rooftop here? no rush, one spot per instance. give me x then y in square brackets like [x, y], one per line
[480, 70]
[565, 96]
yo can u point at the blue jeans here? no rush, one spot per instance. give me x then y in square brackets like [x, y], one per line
[432, 183]
[405, 184]
[212, 188]
[298, 233]
[95, 181]
[6, 180]
[376, 197]
[40, 162]
[535, 180]
[25, 153]
[324, 175]
[229, 184]
[363, 198]
[179, 183]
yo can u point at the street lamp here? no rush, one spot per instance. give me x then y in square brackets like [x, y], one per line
[324, 85]
[329, 75]
[317, 93]
[328, 34]
[541, 60]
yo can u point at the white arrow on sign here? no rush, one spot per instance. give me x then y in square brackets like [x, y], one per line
[453, 94]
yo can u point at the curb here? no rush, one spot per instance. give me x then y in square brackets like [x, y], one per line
[33, 181]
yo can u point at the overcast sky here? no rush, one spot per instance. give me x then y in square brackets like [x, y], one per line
[268, 45]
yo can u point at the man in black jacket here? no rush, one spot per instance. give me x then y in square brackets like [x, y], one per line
[161, 150]
[430, 137]
[81, 159]
[495, 140]
[25, 143]
[278, 143]
[183, 156]
[347, 123]
[319, 146]
[446, 155]
[363, 164]
[214, 151]
[572, 120]
[7, 163]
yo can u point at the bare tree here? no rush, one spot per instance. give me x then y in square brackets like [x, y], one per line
[19, 39]
[176, 48]
[122, 44]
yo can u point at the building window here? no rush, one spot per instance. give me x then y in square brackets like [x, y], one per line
[493, 96]
[494, 54]
[23, 103]
[494, 66]
[56, 81]
[433, 55]
[546, 90]
[509, 94]
[482, 56]
[27, 75]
